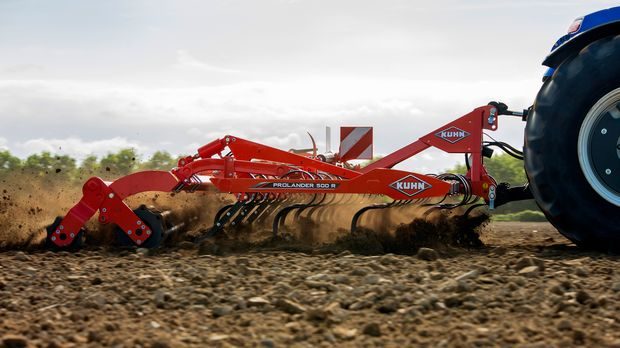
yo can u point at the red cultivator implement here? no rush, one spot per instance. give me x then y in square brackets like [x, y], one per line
[571, 158]
[270, 182]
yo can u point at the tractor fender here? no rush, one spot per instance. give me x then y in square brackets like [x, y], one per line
[579, 41]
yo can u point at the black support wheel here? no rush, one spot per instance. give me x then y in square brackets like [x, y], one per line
[154, 220]
[572, 147]
[76, 244]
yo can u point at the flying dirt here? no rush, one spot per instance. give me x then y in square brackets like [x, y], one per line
[25, 208]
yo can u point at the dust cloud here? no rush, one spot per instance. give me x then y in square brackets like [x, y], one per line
[30, 203]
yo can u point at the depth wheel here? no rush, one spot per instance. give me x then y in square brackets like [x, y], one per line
[572, 150]
[153, 220]
[78, 241]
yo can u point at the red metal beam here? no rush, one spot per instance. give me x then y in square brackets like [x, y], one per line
[396, 184]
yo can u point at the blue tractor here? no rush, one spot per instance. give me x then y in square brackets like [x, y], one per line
[572, 137]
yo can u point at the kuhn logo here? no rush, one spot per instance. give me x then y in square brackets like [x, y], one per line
[410, 185]
[452, 134]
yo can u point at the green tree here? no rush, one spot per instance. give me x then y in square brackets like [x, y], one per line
[502, 167]
[120, 163]
[89, 165]
[161, 160]
[508, 169]
[39, 163]
[8, 162]
[46, 163]
[65, 165]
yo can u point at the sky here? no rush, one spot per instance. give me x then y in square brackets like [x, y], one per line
[91, 77]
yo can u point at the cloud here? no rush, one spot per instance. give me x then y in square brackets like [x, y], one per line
[186, 61]
[194, 132]
[18, 69]
[291, 140]
[3, 144]
[428, 156]
[181, 119]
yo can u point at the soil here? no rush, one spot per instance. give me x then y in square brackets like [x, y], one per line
[526, 286]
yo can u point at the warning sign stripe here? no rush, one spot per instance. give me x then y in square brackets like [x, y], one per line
[355, 143]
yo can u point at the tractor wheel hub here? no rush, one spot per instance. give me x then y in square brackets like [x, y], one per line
[599, 147]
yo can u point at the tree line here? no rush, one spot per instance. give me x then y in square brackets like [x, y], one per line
[111, 165]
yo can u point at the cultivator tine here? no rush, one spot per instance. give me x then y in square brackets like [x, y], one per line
[260, 209]
[280, 217]
[346, 201]
[270, 209]
[360, 212]
[472, 207]
[221, 212]
[225, 215]
[323, 206]
[311, 205]
[263, 211]
[322, 203]
[195, 183]
[248, 206]
[431, 210]
[325, 214]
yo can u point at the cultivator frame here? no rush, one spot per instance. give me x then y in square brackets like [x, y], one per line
[260, 176]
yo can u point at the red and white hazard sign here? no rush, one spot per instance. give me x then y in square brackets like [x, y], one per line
[355, 143]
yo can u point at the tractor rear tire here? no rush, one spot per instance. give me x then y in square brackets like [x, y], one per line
[572, 147]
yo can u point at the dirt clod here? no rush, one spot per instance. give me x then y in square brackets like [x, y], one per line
[220, 311]
[372, 329]
[427, 254]
[14, 341]
[290, 307]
